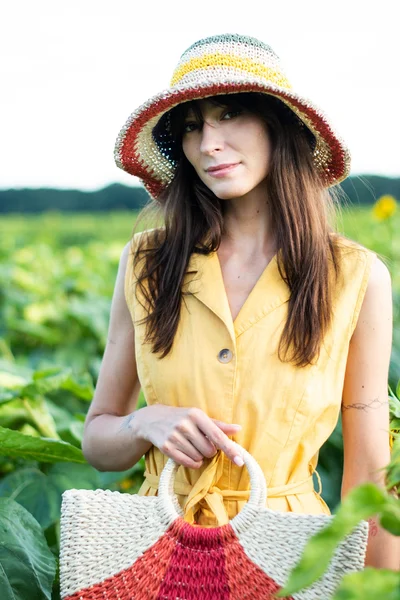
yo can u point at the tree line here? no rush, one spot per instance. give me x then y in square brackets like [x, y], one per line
[359, 190]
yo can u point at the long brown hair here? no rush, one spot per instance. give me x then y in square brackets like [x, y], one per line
[301, 212]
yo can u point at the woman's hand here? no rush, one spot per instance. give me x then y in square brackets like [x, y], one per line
[186, 435]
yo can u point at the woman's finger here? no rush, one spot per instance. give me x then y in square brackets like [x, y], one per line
[220, 439]
[181, 458]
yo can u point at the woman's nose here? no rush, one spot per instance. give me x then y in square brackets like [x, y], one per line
[211, 138]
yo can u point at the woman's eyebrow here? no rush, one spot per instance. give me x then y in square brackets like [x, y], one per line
[213, 108]
[191, 114]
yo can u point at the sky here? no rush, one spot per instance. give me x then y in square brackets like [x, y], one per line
[72, 72]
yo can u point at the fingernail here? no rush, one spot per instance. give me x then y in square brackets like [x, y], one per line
[238, 461]
[234, 425]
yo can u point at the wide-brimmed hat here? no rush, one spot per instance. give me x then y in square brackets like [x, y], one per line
[221, 64]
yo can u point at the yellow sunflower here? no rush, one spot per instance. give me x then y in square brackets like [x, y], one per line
[384, 207]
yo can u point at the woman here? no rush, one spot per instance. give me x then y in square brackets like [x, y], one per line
[245, 318]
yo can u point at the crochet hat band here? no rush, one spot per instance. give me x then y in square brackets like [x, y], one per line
[223, 64]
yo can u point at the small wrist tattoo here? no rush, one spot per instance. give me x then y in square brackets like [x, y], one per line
[373, 528]
[126, 423]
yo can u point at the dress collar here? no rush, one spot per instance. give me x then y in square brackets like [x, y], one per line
[204, 280]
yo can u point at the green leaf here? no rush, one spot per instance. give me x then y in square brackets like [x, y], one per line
[24, 374]
[69, 427]
[60, 415]
[394, 405]
[369, 584]
[80, 417]
[33, 410]
[27, 566]
[6, 395]
[46, 381]
[18, 445]
[12, 413]
[360, 503]
[393, 477]
[390, 517]
[82, 477]
[398, 389]
[77, 429]
[91, 313]
[36, 331]
[40, 493]
[42, 419]
[27, 429]
[82, 386]
[51, 380]
[109, 478]
[395, 423]
[11, 381]
[393, 469]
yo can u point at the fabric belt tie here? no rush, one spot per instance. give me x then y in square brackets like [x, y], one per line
[204, 493]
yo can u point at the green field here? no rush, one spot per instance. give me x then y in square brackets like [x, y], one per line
[57, 276]
[58, 272]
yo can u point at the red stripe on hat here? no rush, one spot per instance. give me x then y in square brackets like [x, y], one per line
[134, 165]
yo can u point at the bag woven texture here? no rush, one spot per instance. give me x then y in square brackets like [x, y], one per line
[116, 546]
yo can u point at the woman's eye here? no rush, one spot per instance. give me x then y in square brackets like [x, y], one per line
[231, 114]
[189, 126]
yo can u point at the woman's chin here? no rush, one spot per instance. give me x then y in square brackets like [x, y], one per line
[228, 192]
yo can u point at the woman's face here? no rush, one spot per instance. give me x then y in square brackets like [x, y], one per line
[233, 137]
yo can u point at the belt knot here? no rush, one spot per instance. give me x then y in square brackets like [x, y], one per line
[205, 495]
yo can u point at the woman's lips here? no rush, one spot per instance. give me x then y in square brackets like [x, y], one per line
[222, 170]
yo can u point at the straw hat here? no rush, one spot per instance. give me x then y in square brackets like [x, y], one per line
[221, 64]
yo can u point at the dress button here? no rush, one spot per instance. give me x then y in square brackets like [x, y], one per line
[225, 355]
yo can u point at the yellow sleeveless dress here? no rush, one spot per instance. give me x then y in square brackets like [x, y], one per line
[231, 371]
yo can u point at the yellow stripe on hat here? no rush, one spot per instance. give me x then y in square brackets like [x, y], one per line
[246, 65]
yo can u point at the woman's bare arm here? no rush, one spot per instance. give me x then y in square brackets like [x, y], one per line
[365, 406]
[109, 442]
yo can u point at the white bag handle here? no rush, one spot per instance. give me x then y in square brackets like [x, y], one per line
[257, 500]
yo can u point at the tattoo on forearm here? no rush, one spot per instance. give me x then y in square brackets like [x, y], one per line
[110, 341]
[373, 528]
[375, 403]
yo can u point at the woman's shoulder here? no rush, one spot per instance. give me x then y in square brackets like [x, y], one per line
[148, 239]
[352, 256]
[355, 263]
[137, 247]
[349, 248]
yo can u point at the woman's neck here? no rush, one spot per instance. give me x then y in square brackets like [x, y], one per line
[247, 226]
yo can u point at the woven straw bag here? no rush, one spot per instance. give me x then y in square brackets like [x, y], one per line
[123, 546]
